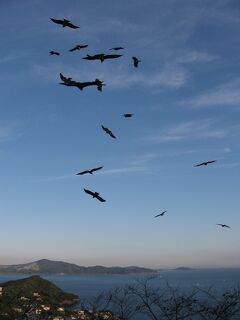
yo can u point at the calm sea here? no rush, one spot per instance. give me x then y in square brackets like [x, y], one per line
[90, 285]
[87, 286]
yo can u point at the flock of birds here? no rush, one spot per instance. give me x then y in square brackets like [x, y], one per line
[99, 85]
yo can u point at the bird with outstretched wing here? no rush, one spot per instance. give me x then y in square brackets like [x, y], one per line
[135, 61]
[89, 171]
[94, 195]
[161, 214]
[64, 23]
[109, 132]
[78, 47]
[117, 48]
[223, 225]
[205, 163]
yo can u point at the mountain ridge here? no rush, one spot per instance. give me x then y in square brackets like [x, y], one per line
[45, 266]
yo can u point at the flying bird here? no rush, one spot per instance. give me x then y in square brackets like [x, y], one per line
[64, 23]
[52, 53]
[205, 163]
[94, 195]
[81, 85]
[223, 225]
[102, 56]
[78, 47]
[99, 56]
[117, 48]
[109, 132]
[161, 214]
[89, 171]
[127, 115]
[135, 61]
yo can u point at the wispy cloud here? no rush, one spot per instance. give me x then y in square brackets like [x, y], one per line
[196, 57]
[196, 129]
[226, 94]
[9, 131]
[132, 169]
[171, 76]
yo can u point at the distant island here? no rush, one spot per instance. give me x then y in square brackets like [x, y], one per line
[45, 266]
[183, 268]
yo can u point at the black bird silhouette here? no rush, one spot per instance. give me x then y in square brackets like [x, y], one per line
[205, 163]
[94, 195]
[111, 56]
[78, 47]
[117, 48]
[223, 225]
[108, 132]
[135, 61]
[102, 56]
[64, 23]
[161, 214]
[54, 53]
[127, 115]
[99, 56]
[81, 85]
[89, 171]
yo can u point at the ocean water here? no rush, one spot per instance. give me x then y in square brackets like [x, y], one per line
[88, 286]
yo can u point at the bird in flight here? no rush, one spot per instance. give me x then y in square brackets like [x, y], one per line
[102, 56]
[223, 225]
[89, 171]
[161, 214]
[127, 115]
[52, 53]
[94, 195]
[108, 132]
[81, 85]
[99, 56]
[64, 23]
[205, 163]
[117, 48]
[78, 47]
[135, 61]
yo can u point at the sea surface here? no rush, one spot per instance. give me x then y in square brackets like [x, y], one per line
[88, 286]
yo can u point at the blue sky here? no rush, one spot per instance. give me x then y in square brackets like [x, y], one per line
[186, 102]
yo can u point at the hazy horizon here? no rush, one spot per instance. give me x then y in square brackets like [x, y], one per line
[185, 99]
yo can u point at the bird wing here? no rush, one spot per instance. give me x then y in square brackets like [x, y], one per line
[70, 25]
[100, 198]
[212, 161]
[158, 215]
[199, 165]
[89, 192]
[105, 129]
[57, 21]
[112, 56]
[112, 135]
[96, 169]
[116, 48]
[64, 79]
[83, 46]
[83, 172]
[73, 49]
